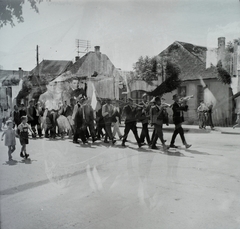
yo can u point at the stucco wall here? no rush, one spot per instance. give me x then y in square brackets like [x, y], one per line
[222, 110]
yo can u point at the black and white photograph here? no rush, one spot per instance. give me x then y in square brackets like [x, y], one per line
[120, 114]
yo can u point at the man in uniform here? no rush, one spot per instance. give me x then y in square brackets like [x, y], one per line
[178, 119]
[107, 112]
[156, 117]
[130, 122]
[144, 119]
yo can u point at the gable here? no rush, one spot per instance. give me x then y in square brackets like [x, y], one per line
[94, 64]
[192, 66]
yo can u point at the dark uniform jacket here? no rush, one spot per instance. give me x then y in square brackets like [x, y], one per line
[88, 113]
[78, 120]
[156, 115]
[130, 114]
[145, 112]
[178, 113]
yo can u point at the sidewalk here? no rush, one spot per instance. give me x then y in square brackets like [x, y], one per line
[195, 129]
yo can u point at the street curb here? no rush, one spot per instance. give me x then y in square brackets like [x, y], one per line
[234, 133]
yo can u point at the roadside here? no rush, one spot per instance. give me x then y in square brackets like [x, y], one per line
[195, 129]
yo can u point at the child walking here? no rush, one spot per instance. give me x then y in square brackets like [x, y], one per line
[10, 139]
[23, 135]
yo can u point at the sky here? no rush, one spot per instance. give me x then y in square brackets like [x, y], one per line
[124, 30]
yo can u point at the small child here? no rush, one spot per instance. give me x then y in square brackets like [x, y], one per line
[237, 121]
[23, 135]
[10, 139]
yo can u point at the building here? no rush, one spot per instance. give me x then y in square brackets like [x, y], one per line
[134, 87]
[10, 84]
[35, 83]
[95, 68]
[197, 62]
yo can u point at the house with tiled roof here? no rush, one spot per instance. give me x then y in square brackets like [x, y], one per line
[192, 60]
[95, 68]
[10, 82]
[35, 83]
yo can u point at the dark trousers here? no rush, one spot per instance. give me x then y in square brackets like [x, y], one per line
[153, 134]
[145, 133]
[133, 127]
[210, 122]
[79, 133]
[158, 133]
[53, 120]
[178, 130]
[108, 128]
[99, 131]
[90, 126]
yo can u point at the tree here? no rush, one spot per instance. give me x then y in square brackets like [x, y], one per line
[172, 81]
[230, 47]
[12, 9]
[223, 74]
[146, 68]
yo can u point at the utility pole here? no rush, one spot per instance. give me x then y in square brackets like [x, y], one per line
[37, 57]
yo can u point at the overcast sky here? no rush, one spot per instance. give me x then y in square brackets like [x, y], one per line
[124, 30]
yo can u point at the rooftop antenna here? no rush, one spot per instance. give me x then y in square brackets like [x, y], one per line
[83, 46]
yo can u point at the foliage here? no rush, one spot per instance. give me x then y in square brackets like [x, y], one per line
[12, 9]
[223, 75]
[26, 89]
[172, 81]
[11, 82]
[146, 69]
[230, 47]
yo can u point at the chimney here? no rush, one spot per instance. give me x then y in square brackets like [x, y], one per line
[235, 57]
[97, 49]
[221, 50]
[77, 58]
[20, 72]
[221, 42]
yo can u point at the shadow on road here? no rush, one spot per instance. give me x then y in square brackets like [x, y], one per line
[175, 153]
[12, 162]
[196, 152]
[27, 161]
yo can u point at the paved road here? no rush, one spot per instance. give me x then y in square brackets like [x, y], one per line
[65, 185]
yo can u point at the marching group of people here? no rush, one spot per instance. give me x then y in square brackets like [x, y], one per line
[78, 119]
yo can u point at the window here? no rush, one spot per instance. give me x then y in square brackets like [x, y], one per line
[182, 91]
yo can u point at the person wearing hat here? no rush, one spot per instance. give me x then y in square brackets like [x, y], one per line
[100, 122]
[39, 114]
[22, 110]
[178, 109]
[16, 116]
[156, 117]
[32, 116]
[144, 119]
[77, 119]
[130, 122]
[107, 112]
[79, 125]
[88, 118]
